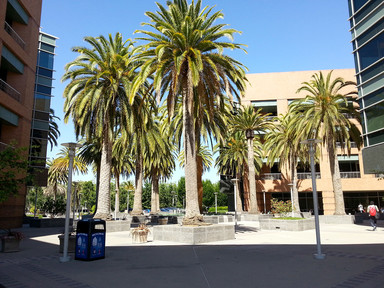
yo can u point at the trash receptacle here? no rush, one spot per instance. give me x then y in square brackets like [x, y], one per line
[90, 239]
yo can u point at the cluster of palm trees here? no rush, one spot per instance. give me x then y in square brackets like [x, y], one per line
[136, 107]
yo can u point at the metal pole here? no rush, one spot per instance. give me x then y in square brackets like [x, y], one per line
[216, 202]
[265, 204]
[235, 195]
[128, 202]
[71, 154]
[34, 216]
[65, 257]
[312, 143]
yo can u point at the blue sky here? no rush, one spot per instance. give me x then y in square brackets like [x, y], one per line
[281, 36]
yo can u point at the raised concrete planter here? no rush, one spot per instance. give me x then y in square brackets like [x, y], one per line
[193, 235]
[49, 222]
[118, 225]
[287, 225]
[337, 219]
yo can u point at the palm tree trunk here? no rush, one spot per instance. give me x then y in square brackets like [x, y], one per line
[200, 181]
[246, 188]
[239, 204]
[117, 194]
[336, 180]
[155, 200]
[137, 200]
[295, 192]
[104, 197]
[192, 211]
[254, 209]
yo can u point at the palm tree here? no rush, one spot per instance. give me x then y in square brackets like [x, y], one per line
[53, 130]
[249, 120]
[96, 98]
[282, 144]
[186, 46]
[323, 114]
[159, 162]
[56, 179]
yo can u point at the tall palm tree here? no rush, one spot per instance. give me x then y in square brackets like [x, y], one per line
[323, 114]
[159, 162]
[283, 144]
[249, 120]
[186, 45]
[96, 98]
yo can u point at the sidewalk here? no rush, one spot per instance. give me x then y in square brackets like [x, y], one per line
[354, 258]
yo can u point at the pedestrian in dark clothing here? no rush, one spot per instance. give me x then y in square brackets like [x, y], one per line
[372, 209]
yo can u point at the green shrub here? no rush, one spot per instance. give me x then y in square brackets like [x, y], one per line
[220, 209]
[280, 207]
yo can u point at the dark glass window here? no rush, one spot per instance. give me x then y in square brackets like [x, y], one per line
[377, 28]
[46, 60]
[40, 134]
[376, 138]
[41, 116]
[44, 89]
[375, 117]
[373, 71]
[44, 72]
[372, 51]
[374, 97]
[42, 102]
[367, 8]
[357, 4]
[47, 47]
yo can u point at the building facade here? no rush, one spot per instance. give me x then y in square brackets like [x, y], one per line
[273, 92]
[19, 35]
[367, 28]
[41, 108]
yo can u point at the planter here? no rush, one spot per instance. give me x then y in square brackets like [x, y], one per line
[163, 221]
[71, 243]
[139, 237]
[10, 244]
[287, 225]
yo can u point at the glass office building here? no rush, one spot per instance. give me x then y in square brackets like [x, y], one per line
[41, 106]
[367, 28]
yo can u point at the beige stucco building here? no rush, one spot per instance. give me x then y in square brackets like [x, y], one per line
[273, 92]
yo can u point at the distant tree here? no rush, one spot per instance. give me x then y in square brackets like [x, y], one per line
[13, 171]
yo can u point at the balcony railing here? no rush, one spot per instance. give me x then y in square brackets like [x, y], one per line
[9, 90]
[270, 176]
[351, 174]
[307, 175]
[14, 35]
[353, 145]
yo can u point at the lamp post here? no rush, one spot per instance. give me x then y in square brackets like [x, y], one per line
[234, 181]
[265, 204]
[215, 201]
[290, 188]
[71, 153]
[312, 148]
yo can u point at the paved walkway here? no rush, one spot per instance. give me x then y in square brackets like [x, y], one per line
[354, 258]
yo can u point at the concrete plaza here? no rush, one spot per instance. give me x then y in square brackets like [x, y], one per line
[256, 258]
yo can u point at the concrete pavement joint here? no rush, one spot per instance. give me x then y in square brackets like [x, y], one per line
[201, 267]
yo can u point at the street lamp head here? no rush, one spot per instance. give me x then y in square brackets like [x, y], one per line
[71, 145]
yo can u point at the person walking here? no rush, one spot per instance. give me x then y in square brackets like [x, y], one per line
[360, 208]
[373, 210]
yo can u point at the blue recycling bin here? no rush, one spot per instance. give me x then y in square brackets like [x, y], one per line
[90, 240]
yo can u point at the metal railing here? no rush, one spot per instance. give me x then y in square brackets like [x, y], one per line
[9, 90]
[307, 175]
[350, 174]
[270, 176]
[14, 35]
[353, 145]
